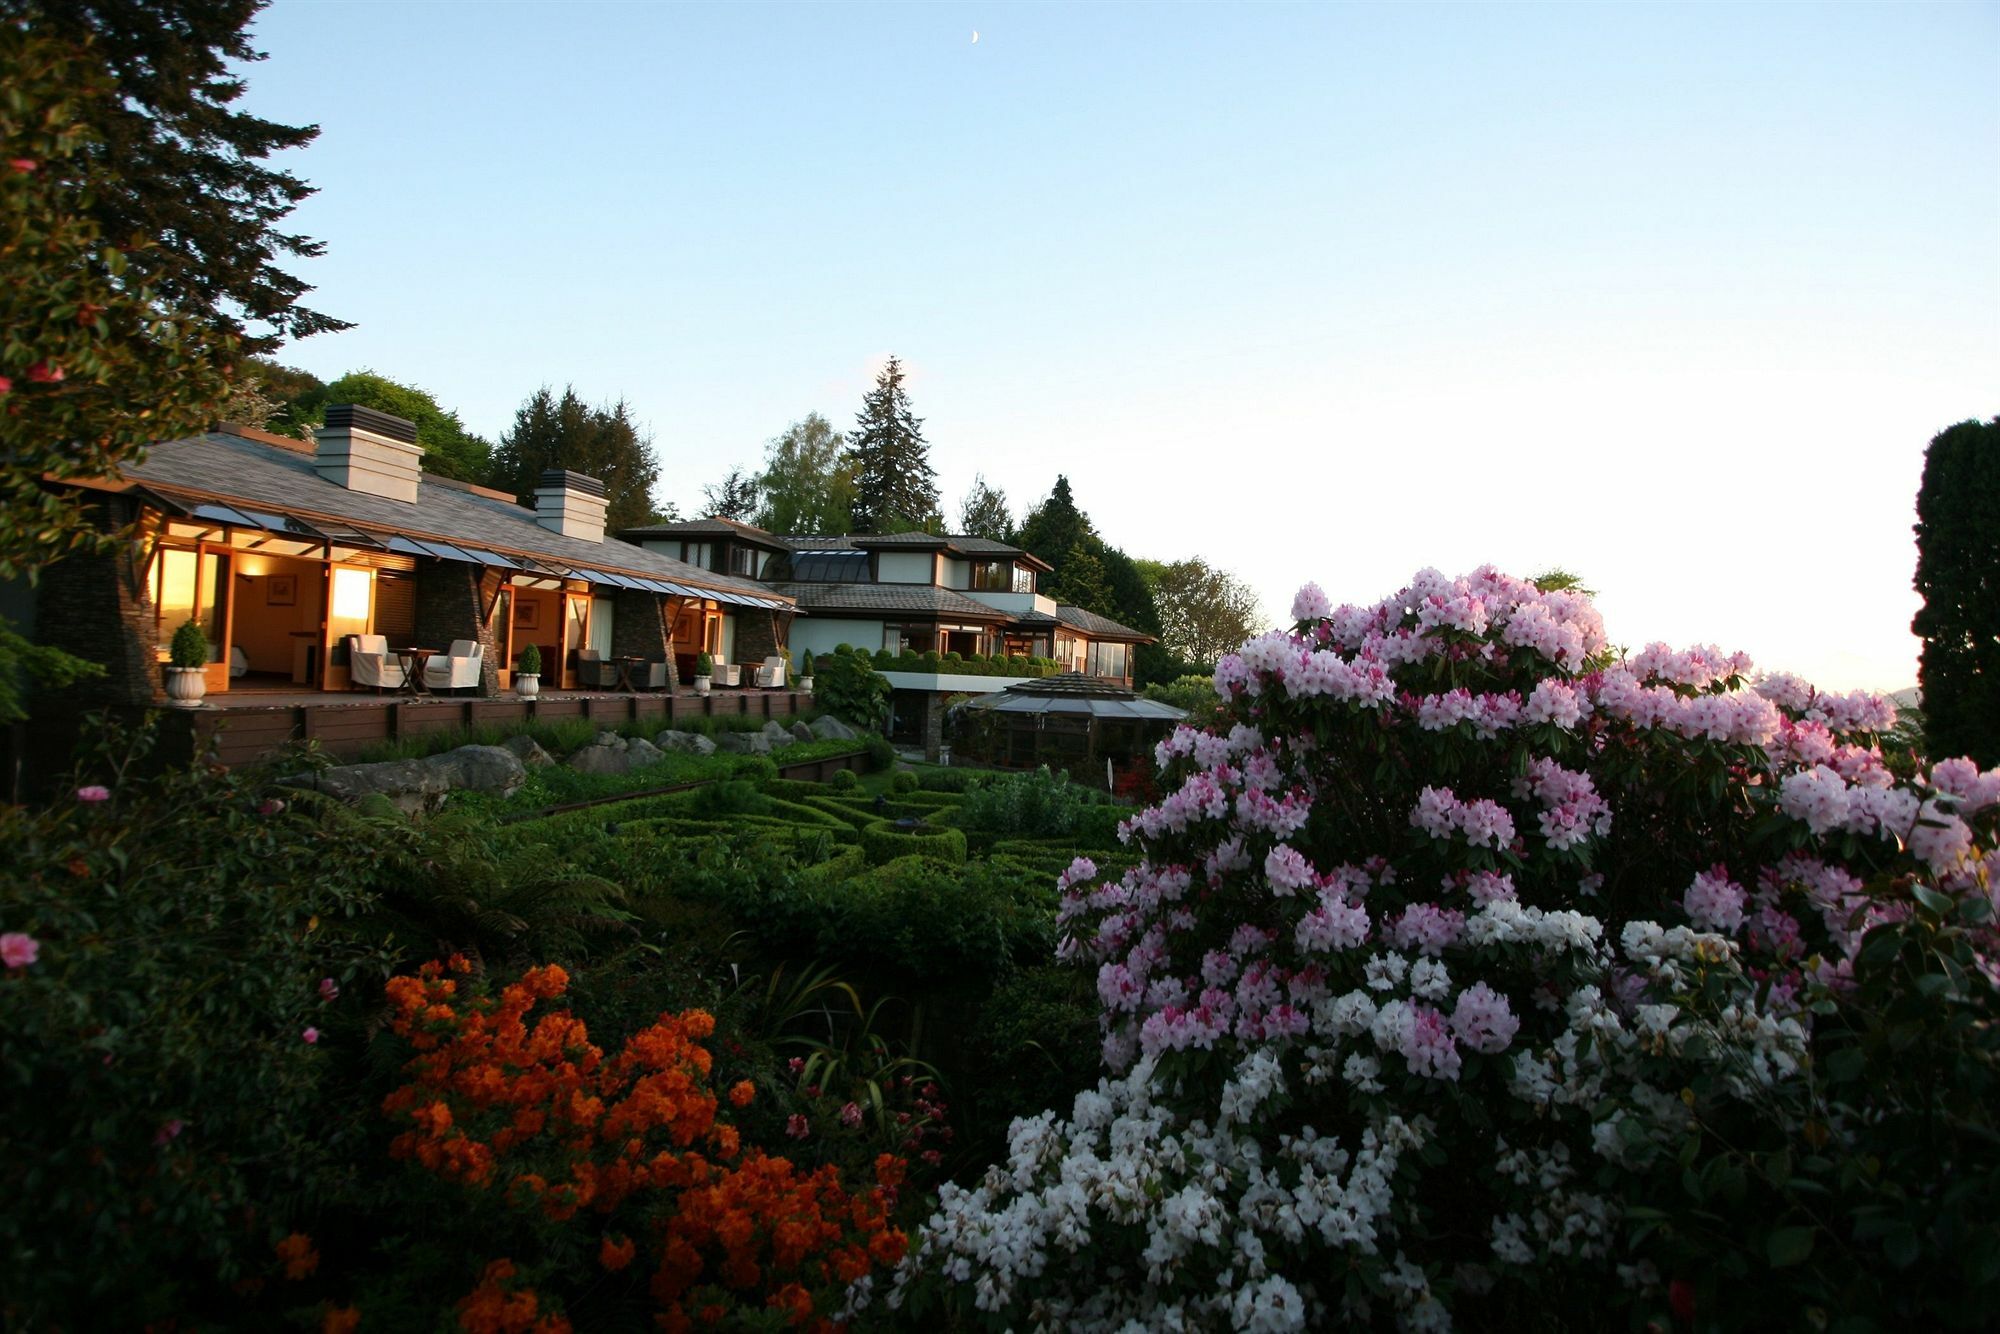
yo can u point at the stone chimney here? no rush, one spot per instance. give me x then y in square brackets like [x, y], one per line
[571, 504]
[365, 450]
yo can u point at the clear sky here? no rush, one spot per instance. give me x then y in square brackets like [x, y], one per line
[1670, 296]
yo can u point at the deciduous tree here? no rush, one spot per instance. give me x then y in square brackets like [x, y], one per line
[1958, 576]
[892, 469]
[984, 512]
[449, 449]
[734, 497]
[1204, 612]
[807, 485]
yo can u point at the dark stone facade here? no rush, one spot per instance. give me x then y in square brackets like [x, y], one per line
[639, 630]
[756, 638]
[448, 605]
[934, 703]
[96, 607]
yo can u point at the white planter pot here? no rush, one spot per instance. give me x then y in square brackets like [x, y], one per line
[806, 684]
[701, 684]
[185, 687]
[527, 684]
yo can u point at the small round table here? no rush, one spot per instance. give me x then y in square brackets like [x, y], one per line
[413, 660]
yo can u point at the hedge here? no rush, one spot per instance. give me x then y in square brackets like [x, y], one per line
[883, 842]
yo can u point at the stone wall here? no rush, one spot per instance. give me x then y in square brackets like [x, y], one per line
[639, 630]
[448, 606]
[97, 608]
[756, 638]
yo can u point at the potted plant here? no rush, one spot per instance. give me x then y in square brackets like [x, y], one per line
[806, 671]
[187, 656]
[704, 673]
[528, 673]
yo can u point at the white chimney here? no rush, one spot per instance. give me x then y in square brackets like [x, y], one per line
[365, 450]
[571, 504]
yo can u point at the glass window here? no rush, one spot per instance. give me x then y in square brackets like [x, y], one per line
[991, 576]
[1024, 579]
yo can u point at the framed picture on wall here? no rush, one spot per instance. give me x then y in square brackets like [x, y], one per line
[527, 615]
[281, 590]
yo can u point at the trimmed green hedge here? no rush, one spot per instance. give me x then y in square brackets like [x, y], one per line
[850, 861]
[883, 843]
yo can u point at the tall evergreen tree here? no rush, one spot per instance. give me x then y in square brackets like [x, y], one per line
[984, 512]
[892, 468]
[604, 443]
[1958, 577]
[807, 485]
[1055, 527]
[173, 159]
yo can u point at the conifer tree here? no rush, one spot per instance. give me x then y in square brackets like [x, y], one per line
[1958, 576]
[174, 159]
[734, 497]
[892, 469]
[604, 443]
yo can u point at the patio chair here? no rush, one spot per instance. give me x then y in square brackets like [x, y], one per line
[772, 674]
[594, 672]
[369, 663]
[656, 675]
[457, 669]
[728, 674]
[239, 661]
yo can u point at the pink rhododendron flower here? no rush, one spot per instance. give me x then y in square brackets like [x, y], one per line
[270, 806]
[329, 990]
[92, 793]
[311, 1036]
[797, 1126]
[46, 372]
[850, 1115]
[170, 1131]
[1311, 604]
[18, 949]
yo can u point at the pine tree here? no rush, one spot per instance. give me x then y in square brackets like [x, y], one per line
[604, 443]
[175, 160]
[1055, 527]
[984, 513]
[1958, 577]
[892, 469]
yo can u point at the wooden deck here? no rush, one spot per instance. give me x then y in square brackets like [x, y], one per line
[250, 725]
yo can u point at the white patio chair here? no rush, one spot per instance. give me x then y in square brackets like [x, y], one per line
[457, 669]
[370, 663]
[772, 673]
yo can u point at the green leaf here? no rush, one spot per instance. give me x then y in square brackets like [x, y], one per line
[1789, 1246]
[1846, 1065]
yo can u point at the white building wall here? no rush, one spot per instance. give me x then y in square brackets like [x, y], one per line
[906, 567]
[1015, 602]
[823, 634]
[957, 573]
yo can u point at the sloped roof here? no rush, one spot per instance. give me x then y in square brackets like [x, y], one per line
[710, 527]
[1099, 627]
[225, 466]
[874, 599]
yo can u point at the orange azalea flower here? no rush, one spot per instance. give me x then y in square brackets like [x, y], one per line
[615, 1255]
[298, 1254]
[340, 1320]
[741, 1092]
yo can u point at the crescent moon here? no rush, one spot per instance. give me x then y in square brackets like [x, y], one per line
[975, 37]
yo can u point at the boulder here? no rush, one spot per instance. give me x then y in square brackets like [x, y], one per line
[480, 769]
[525, 749]
[640, 752]
[409, 785]
[829, 728]
[802, 734]
[745, 743]
[777, 733]
[694, 742]
[606, 755]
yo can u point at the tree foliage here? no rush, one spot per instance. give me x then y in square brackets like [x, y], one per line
[892, 469]
[1205, 612]
[734, 497]
[93, 364]
[1958, 577]
[174, 159]
[984, 512]
[807, 485]
[449, 449]
[1055, 527]
[603, 442]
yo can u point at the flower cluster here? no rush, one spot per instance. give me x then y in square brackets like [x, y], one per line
[536, 1114]
[1448, 914]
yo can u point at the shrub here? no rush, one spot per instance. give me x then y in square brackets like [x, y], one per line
[806, 663]
[189, 647]
[530, 661]
[881, 755]
[902, 781]
[168, 1038]
[883, 842]
[1040, 803]
[848, 687]
[844, 781]
[1472, 973]
[704, 665]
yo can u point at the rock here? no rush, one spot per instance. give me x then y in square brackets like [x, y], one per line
[829, 728]
[525, 749]
[745, 743]
[777, 732]
[640, 752]
[606, 755]
[688, 741]
[480, 769]
[802, 733]
[410, 785]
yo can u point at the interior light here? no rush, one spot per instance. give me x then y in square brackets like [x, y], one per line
[350, 594]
